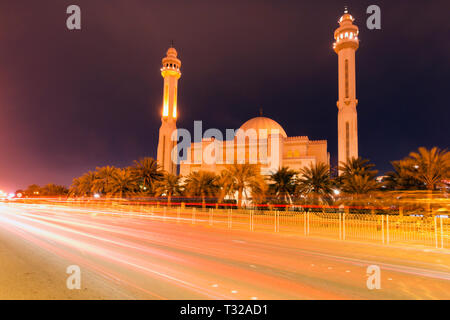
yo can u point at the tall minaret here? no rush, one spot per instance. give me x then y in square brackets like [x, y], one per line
[345, 45]
[170, 71]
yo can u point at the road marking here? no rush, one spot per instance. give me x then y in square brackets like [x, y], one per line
[347, 270]
[215, 285]
[234, 291]
[389, 279]
[253, 266]
[254, 298]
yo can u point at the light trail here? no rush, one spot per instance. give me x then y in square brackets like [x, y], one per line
[165, 260]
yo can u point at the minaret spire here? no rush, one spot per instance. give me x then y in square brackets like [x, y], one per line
[345, 45]
[167, 153]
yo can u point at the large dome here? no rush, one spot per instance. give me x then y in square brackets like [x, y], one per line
[263, 123]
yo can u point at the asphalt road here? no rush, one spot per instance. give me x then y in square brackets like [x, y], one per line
[134, 257]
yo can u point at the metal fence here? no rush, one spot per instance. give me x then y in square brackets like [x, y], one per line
[380, 228]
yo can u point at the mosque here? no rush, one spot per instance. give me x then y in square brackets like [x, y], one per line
[262, 140]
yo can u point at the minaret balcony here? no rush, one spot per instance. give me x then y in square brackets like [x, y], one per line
[345, 43]
[170, 72]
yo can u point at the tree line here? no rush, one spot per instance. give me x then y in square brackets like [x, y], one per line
[424, 169]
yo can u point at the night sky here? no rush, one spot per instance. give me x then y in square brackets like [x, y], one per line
[74, 100]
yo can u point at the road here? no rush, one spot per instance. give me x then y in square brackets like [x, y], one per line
[133, 257]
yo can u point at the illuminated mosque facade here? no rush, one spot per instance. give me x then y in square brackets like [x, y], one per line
[261, 140]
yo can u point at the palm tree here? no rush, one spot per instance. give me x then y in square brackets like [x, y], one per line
[401, 179]
[33, 190]
[52, 189]
[283, 184]
[357, 176]
[359, 185]
[429, 166]
[201, 184]
[357, 166]
[148, 172]
[123, 183]
[103, 179]
[169, 186]
[75, 187]
[245, 177]
[315, 181]
[225, 183]
[83, 185]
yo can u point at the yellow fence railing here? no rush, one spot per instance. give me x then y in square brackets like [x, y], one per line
[433, 231]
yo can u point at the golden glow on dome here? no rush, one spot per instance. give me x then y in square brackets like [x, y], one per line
[264, 123]
[171, 52]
